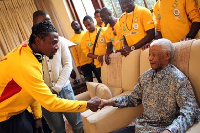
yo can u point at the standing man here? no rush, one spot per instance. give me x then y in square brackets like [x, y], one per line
[177, 19]
[22, 84]
[112, 34]
[164, 91]
[83, 63]
[97, 17]
[137, 26]
[87, 44]
[56, 75]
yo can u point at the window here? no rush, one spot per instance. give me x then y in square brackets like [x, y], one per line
[114, 6]
[80, 8]
[146, 3]
[116, 9]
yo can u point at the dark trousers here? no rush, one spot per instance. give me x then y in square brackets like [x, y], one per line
[129, 129]
[45, 126]
[88, 69]
[21, 123]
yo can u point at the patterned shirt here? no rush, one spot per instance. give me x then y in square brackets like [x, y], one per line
[168, 100]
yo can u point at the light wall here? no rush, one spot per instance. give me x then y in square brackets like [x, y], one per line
[64, 19]
[84, 7]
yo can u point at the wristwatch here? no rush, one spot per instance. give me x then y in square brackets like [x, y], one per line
[132, 48]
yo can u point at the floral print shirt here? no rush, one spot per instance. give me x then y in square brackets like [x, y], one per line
[168, 100]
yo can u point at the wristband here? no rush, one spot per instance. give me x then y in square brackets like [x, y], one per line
[107, 54]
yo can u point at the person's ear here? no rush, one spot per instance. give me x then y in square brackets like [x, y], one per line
[167, 56]
[38, 41]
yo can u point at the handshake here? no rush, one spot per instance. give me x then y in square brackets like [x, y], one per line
[96, 103]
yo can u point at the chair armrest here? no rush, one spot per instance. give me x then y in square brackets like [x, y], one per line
[85, 96]
[194, 129]
[111, 119]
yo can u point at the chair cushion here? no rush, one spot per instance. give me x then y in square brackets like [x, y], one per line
[98, 89]
[130, 70]
[194, 65]
[144, 61]
[182, 56]
[115, 91]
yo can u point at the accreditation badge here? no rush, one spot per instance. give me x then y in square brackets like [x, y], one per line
[89, 44]
[135, 26]
[159, 16]
[101, 40]
[111, 39]
[124, 28]
[176, 12]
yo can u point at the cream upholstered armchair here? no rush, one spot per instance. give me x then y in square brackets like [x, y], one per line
[123, 73]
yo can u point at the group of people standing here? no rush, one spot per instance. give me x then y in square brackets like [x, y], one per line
[135, 29]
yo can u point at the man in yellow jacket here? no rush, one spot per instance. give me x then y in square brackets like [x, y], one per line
[177, 19]
[21, 82]
[83, 63]
[112, 34]
[88, 41]
[137, 26]
[56, 73]
[97, 17]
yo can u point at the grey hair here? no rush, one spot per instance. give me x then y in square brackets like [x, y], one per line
[166, 45]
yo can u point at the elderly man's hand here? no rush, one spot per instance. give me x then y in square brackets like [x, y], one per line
[93, 104]
[105, 102]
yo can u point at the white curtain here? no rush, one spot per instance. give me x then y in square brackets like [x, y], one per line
[15, 24]
[16, 21]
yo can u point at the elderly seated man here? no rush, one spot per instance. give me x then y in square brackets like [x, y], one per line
[165, 93]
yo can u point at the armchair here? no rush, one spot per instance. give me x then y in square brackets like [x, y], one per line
[110, 118]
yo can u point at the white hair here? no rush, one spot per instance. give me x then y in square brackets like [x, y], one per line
[166, 45]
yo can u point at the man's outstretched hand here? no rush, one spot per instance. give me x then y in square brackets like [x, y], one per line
[105, 102]
[93, 103]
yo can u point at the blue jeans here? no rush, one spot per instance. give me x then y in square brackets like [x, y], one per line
[55, 119]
